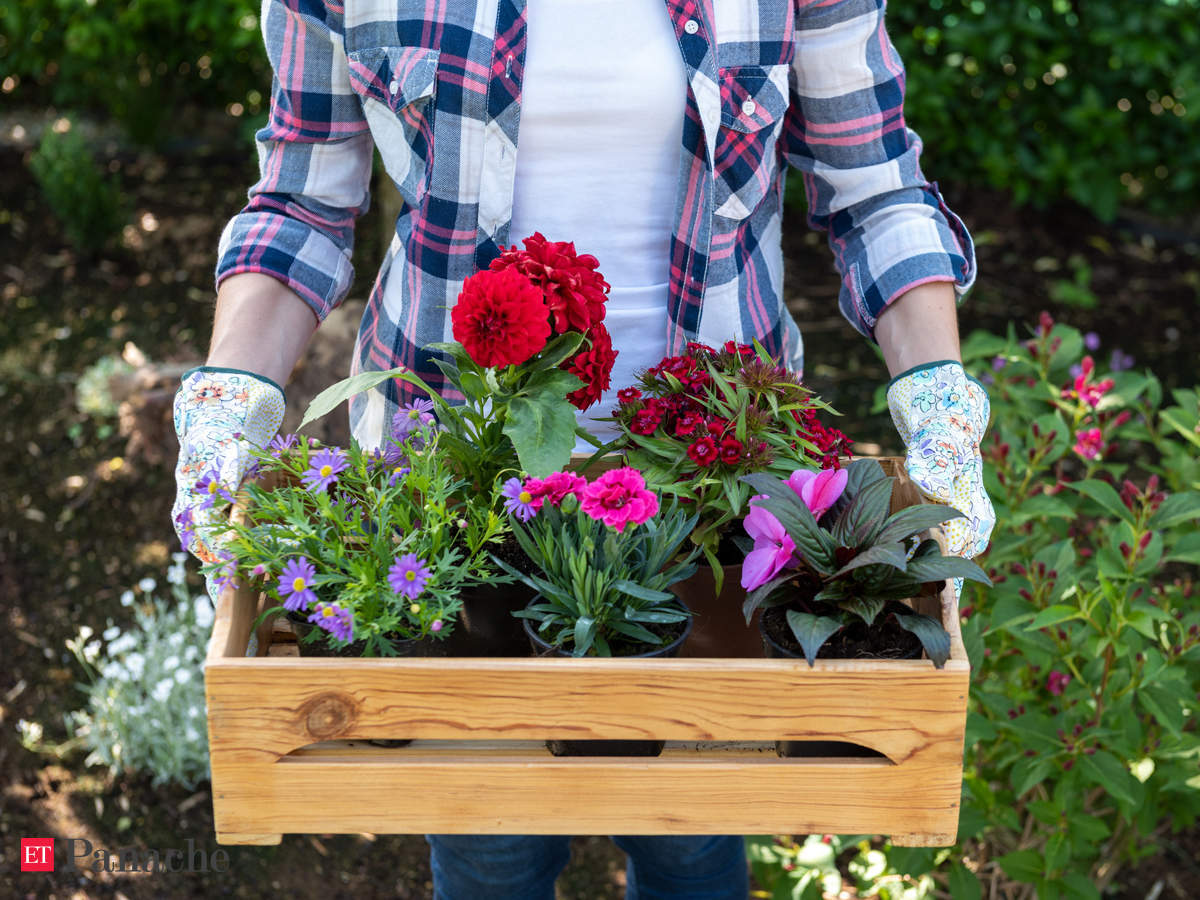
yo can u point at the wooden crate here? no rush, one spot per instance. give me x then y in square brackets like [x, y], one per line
[287, 742]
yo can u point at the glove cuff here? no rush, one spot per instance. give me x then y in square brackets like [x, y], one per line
[218, 370]
[228, 402]
[933, 391]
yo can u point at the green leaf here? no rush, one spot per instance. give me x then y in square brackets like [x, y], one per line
[866, 608]
[1052, 615]
[1177, 508]
[1109, 773]
[933, 636]
[859, 474]
[1164, 707]
[1185, 550]
[1022, 865]
[811, 631]
[862, 520]
[962, 883]
[1029, 771]
[641, 592]
[635, 631]
[881, 554]
[1105, 495]
[585, 633]
[337, 393]
[936, 568]
[542, 431]
[915, 519]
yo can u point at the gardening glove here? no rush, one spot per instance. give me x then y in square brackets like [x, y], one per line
[941, 414]
[219, 414]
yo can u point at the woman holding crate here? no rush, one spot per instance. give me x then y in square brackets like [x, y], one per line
[656, 134]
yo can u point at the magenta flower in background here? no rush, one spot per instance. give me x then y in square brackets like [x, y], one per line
[1088, 443]
[295, 583]
[519, 500]
[323, 468]
[773, 548]
[210, 487]
[408, 576]
[337, 621]
[618, 498]
[554, 487]
[1057, 681]
[1083, 389]
[818, 490]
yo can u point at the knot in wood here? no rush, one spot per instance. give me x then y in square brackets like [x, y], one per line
[329, 714]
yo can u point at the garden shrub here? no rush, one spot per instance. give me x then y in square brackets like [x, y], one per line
[138, 62]
[145, 706]
[86, 202]
[1082, 744]
[1095, 101]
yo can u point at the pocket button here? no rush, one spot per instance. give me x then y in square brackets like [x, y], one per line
[748, 107]
[394, 88]
[691, 26]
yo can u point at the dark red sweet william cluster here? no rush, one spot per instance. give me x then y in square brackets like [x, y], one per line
[678, 398]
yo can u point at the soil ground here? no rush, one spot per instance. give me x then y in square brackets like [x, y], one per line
[81, 519]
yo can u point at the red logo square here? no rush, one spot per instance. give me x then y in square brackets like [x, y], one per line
[37, 854]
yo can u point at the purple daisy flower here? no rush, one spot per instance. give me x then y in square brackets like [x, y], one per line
[225, 575]
[411, 416]
[210, 487]
[281, 443]
[408, 576]
[519, 501]
[397, 475]
[296, 581]
[337, 621]
[323, 469]
[184, 522]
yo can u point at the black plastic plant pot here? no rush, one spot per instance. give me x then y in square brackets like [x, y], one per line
[487, 626]
[614, 747]
[810, 749]
[426, 646]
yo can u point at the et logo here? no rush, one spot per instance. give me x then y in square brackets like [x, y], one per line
[37, 854]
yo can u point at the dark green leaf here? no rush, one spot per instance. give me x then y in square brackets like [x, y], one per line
[1105, 495]
[1053, 615]
[937, 568]
[881, 554]
[863, 519]
[859, 474]
[933, 636]
[542, 431]
[915, 519]
[585, 633]
[1109, 773]
[1176, 509]
[811, 631]
[963, 883]
[866, 608]
[334, 395]
[1022, 865]
[641, 592]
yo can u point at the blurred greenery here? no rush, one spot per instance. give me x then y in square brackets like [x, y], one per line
[86, 201]
[1048, 99]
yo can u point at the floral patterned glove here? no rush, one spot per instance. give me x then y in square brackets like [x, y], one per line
[941, 414]
[219, 413]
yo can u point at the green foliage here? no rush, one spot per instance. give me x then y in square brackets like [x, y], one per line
[145, 697]
[1094, 101]
[1082, 737]
[138, 62]
[87, 203]
[598, 587]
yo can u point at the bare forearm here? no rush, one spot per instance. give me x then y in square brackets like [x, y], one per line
[260, 326]
[920, 326]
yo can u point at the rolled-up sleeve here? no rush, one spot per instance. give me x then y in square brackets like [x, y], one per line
[888, 227]
[314, 162]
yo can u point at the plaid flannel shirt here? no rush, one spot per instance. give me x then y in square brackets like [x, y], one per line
[436, 87]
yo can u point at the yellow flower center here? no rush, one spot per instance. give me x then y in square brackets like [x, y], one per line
[525, 496]
[399, 470]
[212, 487]
[298, 585]
[410, 575]
[326, 470]
[415, 608]
[327, 612]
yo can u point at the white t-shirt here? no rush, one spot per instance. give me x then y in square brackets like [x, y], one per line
[601, 131]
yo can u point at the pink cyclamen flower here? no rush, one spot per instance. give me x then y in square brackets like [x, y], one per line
[554, 487]
[819, 490]
[773, 548]
[1057, 681]
[619, 498]
[1088, 443]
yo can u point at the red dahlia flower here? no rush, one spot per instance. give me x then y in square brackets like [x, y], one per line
[574, 291]
[500, 318]
[593, 365]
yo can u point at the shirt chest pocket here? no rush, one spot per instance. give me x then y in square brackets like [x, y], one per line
[397, 88]
[754, 101]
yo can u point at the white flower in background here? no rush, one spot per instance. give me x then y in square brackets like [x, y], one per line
[171, 661]
[146, 585]
[122, 644]
[162, 691]
[92, 651]
[136, 663]
[31, 733]
[85, 632]
[183, 675]
[111, 633]
[127, 598]
[204, 611]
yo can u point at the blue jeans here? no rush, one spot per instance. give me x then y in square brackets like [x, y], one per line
[524, 867]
